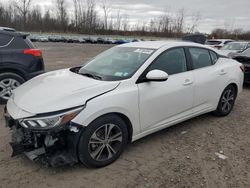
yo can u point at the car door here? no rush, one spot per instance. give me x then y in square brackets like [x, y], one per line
[161, 103]
[4, 42]
[209, 78]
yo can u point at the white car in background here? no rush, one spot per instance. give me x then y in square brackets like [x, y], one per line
[89, 114]
[233, 47]
[218, 43]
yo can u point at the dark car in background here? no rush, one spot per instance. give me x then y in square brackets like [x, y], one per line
[244, 58]
[121, 41]
[19, 61]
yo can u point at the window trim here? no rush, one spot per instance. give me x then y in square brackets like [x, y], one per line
[210, 51]
[7, 43]
[141, 78]
[191, 60]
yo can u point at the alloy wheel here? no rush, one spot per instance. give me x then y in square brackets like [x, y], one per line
[105, 142]
[6, 87]
[227, 100]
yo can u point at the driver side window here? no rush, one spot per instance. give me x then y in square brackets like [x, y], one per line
[172, 61]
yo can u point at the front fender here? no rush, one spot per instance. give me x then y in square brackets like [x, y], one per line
[124, 102]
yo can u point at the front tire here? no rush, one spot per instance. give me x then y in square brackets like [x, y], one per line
[103, 141]
[8, 82]
[227, 100]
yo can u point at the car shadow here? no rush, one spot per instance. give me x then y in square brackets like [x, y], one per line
[175, 132]
[246, 86]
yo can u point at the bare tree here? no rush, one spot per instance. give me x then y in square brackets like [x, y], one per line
[79, 15]
[23, 8]
[179, 21]
[76, 12]
[164, 22]
[90, 16]
[106, 10]
[229, 24]
[237, 32]
[118, 21]
[21, 15]
[61, 13]
[34, 18]
[125, 22]
[196, 17]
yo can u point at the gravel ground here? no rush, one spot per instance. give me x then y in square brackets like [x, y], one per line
[180, 156]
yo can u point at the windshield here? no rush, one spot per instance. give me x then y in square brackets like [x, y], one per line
[239, 46]
[117, 63]
[246, 52]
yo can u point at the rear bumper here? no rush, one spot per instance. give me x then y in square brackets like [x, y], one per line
[34, 74]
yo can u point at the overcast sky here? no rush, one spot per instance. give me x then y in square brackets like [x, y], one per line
[214, 13]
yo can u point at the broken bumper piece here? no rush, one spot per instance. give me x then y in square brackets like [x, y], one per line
[55, 147]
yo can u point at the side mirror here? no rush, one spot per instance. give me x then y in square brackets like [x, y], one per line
[157, 75]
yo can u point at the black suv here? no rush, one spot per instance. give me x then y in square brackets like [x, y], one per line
[19, 61]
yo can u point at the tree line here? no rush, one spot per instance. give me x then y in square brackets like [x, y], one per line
[237, 34]
[99, 17]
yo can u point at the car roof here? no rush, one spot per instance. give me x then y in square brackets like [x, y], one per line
[237, 42]
[12, 32]
[221, 40]
[160, 44]
[7, 29]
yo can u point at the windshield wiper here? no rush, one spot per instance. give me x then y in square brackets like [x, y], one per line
[91, 76]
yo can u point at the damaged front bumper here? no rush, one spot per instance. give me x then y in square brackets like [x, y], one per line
[55, 147]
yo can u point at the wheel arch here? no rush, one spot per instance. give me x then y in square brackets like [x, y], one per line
[235, 87]
[125, 119]
[128, 123]
[13, 70]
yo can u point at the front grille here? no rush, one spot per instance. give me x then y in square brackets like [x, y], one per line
[22, 136]
[28, 137]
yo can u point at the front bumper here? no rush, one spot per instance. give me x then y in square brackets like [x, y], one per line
[55, 147]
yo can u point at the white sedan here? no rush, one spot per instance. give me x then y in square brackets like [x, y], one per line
[89, 114]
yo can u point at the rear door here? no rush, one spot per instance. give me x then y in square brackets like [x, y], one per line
[209, 78]
[5, 40]
[163, 102]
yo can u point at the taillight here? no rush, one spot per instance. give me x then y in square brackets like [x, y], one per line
[34, 52]
[242, 67]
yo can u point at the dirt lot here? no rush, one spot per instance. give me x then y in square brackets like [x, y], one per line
[180, 156]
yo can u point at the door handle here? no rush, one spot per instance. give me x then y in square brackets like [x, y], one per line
[222, 72]
[187, 82]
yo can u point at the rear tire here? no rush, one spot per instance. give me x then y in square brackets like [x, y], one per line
[103, 141]
[226, 102]
[8, 82]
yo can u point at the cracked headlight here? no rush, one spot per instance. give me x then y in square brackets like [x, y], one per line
[50, 121]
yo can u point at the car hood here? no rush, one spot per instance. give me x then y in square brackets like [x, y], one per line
[58, 90]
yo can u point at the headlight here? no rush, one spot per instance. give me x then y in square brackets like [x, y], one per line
[50, 121]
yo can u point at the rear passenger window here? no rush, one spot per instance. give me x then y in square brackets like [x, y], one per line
[18, 43]
[214, 57]
[172, 61]
[200, 57]
[4, 39]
